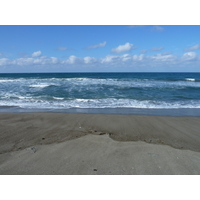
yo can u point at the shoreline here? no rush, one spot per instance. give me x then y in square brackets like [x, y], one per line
[20, 132]
[179, 112]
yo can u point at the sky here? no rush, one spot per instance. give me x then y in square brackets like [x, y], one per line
[99, 48]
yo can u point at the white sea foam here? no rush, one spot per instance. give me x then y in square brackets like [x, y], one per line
[96, 103]
[12, 80]
[24, 97]
[97, 82]
[190, 79]
[21, 92]
[4, 81]
[41, 85]
[58, 98]
[83, 100]
[135, 83]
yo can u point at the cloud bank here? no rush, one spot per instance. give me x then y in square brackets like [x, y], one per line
[116, 62]
[121, 60]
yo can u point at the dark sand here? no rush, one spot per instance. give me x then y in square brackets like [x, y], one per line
[60, 143]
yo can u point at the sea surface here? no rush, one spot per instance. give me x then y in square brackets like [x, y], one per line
[118, 93]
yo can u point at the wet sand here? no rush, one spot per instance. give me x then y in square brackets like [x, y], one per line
[60, 143]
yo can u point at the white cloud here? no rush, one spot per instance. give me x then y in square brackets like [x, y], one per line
[36, 53]
[163, 57]
[189, 56]
[45, 60]
[126, 57]
[71, 60]
[193, 48]
[157, 48]
[88, 60]
[103, 44]
[4, 61]
[109, 62]
[30, 61]
[23, 61]
[154, 28]
[138, 57]
[136, 26]
[54, 60]
[144, 51]
[158, 28]
[123, 48]
[61, 48]
[152, 49]
[109, 59]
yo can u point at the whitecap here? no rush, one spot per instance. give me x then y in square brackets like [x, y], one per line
[82, 100]
[58, 98]
[98, 103]
[4, 81]
[190, 79]
[40, 85]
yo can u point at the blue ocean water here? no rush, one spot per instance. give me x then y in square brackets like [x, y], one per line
[117, 92]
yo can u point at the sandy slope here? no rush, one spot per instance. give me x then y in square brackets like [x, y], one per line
[58, 143]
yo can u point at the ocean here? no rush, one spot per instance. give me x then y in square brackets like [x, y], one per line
[118, 93]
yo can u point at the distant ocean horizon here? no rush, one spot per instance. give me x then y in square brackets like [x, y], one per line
[119, 93]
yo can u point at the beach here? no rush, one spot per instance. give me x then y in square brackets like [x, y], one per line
[98, 144]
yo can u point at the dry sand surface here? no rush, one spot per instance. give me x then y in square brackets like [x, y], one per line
[60, 143]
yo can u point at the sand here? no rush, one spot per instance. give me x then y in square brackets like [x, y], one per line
[60, 143]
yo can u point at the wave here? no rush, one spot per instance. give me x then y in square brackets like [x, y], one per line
[58, 98]
[4, 81]
[98, 80]
[190, 79]
[42, 85]
[59, 103]
[102, 92]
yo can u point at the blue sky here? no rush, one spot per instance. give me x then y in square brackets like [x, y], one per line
[110, 48]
